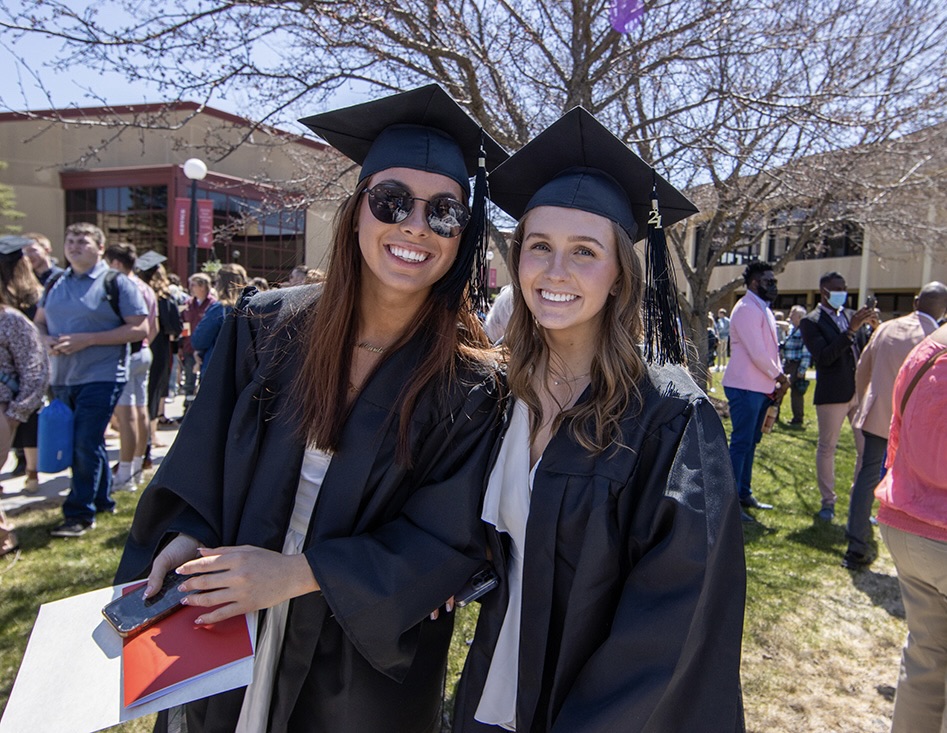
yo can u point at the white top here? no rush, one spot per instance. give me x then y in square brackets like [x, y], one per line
[256, 703]
[506, 506]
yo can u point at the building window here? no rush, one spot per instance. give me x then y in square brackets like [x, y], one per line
[895, 304]
[742, 241]
[842, 239]
[134, 214]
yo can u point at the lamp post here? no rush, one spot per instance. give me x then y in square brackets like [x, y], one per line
[195, 169]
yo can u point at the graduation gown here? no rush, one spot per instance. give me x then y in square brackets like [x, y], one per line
[387, 544]
[633, 580]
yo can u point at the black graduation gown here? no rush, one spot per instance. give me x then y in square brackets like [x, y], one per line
[633, 584]
[387, 544]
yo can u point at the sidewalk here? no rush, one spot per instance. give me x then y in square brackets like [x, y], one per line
[54, 487]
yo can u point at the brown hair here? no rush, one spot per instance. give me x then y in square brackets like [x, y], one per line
[19, 287]
[84, 227]
[123, 253]
[323, 381]
[231, 280]
[617, 365]
[157, 278]
[42, 240]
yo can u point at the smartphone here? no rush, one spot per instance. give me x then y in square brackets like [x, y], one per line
[132, 614]
[871, 301]
[479, 584]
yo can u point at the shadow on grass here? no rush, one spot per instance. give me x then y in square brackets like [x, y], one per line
[822, 536]
[882, 590]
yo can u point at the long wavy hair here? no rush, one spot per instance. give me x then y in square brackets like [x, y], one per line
[157, 278]
[452, 336]
[617, 365]
[231, 280]
[19, 287]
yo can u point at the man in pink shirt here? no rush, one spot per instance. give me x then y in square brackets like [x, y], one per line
[754, 377]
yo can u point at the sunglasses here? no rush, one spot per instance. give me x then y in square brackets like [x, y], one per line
[391, 203]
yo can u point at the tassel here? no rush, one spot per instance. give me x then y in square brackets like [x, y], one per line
[664, 332]
[468, 275]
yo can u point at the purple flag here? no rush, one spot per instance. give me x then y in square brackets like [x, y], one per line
[623, 13]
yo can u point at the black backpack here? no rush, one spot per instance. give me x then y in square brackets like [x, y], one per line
[111, 295]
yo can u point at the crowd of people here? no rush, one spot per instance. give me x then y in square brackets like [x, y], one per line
[356, 446]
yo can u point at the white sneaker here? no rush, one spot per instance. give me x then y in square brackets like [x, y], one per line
[130, 485]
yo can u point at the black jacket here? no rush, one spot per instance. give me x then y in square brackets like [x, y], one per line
[386, 543]
[633, 582]
[832, 355]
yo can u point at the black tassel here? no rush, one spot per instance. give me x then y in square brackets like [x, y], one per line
[664, 331]
[478, 292]
[469, 273]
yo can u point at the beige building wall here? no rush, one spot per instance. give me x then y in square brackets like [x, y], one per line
[37, 150]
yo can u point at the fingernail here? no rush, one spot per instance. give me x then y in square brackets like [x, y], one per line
[184, 601]
[433, 617]
[449, 606]
[146, 593]
[199, 621]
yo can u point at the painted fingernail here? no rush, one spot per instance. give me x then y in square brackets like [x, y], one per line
[450, 606]
[433, 616]
[199, 621]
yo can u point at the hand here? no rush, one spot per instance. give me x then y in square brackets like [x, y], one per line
[244, 579]
[861, 317]
[70, 343]
[50, 343]
[448, 607]
[179, 550]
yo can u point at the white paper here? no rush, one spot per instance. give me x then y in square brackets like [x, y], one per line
[70, 680]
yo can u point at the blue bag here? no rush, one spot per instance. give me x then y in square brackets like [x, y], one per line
[55, 437]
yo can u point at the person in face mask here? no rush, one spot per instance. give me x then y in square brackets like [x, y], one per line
[835, 336]
[754, 377]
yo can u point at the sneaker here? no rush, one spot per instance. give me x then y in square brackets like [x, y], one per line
[32, 482]
[72, 528]
[826, 514]
[856, 560]
[130, 484]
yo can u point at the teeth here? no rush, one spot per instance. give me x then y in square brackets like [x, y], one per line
[407, 254]
[557, 297]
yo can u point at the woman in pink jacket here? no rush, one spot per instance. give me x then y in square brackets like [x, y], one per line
[913, 519]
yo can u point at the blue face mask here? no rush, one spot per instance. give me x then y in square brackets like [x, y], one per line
[837, 298]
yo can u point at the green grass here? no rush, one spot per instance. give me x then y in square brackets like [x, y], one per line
[821, 644]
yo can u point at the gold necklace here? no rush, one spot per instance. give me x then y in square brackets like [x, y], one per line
[374, 349]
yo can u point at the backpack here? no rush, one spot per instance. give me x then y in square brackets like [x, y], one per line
[111, 295]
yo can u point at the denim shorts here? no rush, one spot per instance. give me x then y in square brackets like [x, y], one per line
[135, 393]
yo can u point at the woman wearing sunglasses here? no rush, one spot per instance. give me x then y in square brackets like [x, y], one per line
[611, 505]
[332, 474]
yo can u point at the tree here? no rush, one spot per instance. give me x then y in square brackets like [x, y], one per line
[756, 108]
[8, 211]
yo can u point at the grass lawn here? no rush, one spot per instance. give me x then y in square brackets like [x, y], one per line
[821, 644]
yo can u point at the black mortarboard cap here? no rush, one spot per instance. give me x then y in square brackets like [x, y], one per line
[578, 163]
[12, 244]
[423, 129]
[148, 260]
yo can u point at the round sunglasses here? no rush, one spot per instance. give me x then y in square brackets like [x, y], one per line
[392, 203]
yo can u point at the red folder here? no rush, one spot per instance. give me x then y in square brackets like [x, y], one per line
[175, 651]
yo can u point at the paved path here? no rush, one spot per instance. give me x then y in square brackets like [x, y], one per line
[54, 487]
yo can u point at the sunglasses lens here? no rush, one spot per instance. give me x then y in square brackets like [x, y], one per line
[390, 204]
[447, 217]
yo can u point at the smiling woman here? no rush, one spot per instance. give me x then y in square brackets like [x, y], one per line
[612, 514]
[330, 470]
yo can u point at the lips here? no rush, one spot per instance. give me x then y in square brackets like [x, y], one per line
[557, 297]
[407, 255]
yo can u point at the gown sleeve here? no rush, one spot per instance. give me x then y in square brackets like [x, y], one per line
[380, 585]
[671, 660]
[186, 493]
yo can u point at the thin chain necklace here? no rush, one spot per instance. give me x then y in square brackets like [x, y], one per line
[568, 380]
[374, 349]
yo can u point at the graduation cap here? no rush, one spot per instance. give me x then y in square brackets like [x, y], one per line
[577, 163]
[149, 260]
[423, 129]
[13, 244]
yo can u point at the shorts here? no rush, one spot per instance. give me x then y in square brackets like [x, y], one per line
[135, 393]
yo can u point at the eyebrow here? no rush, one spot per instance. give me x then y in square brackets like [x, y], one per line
[573, 238]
